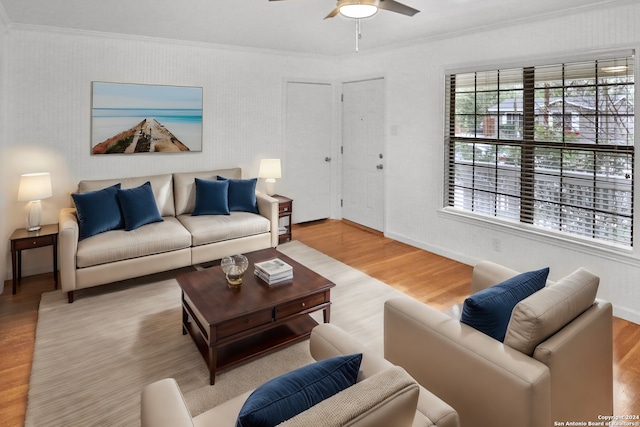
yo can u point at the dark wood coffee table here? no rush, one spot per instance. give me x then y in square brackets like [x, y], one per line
[231, 326]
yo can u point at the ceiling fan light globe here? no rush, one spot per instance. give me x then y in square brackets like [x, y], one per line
[357, 11]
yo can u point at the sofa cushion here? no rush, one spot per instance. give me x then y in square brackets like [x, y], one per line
[98, 211]
[242, 194]
[184, 187]
[118, 245]
[544, 313]
[216, 228]
[162, 186]
[287, 395]
[138, 206]
[212, 197]
[489, 310]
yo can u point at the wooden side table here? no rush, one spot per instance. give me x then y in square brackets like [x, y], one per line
[285, 207]
[22, 239]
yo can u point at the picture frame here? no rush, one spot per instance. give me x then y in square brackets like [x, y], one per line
[131, 118]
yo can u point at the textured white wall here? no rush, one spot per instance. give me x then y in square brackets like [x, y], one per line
[48, 85]
[415, 159]
[49, 75]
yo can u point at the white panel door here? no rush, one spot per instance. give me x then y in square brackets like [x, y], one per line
[363, 153]
[308, 135]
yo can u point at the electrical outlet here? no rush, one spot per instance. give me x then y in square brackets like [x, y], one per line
[496, 244]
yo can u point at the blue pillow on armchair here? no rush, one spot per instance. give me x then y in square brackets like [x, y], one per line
[242, 194]
[138, 206]
[489, 310]
[212, 197]
[288, 395]
[98, 211]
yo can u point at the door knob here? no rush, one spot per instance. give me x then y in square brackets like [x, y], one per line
[379, 167]
[327, 159]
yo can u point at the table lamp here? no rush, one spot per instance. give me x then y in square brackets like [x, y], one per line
[270, 169]
[33, 188]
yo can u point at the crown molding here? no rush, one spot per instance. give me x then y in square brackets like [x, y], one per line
[30, 28]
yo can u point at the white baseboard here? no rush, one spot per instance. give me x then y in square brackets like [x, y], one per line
[433, 249]
[620, 312]
[627, 314]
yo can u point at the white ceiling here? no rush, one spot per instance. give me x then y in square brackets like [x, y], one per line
[292, 26]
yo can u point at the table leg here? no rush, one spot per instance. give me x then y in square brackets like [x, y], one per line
[14, 269]
[55, 262]
[19, 265]
[326, 314]
[213, 361]
[185, 319]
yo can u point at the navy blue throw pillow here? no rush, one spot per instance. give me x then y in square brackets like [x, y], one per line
[138, 206]
[242, 194]
[489, 310]
[288, 395]
[98, 211]
[212, 197]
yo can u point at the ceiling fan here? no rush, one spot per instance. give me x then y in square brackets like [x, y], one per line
[365, 8]
[358, 9]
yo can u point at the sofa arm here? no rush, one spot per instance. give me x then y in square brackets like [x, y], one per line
[68, 234]
[487, 383]
[162, 404]
[268, 208]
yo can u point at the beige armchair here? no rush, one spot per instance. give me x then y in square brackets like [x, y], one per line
[563, 370]
[383, 396]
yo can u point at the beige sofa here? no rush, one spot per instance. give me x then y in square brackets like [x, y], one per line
[180, 240]
[384, 395]
[562, 369]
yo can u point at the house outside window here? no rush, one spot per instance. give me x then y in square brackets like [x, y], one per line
[550, 146]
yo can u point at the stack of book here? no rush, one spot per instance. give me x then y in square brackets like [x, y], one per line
[273, 271]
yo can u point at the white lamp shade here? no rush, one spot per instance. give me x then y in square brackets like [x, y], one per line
[270, 168]
[34, 186]
[357, 9]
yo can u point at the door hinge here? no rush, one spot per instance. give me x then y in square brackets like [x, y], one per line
[340, 202]
[342, 149]
[342, 97]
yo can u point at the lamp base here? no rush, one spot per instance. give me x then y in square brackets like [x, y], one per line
[34, 215]
[270, 186]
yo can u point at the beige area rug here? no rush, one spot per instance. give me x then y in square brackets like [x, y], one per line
[93, 357]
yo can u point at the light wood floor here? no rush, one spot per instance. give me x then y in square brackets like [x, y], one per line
[432, 279]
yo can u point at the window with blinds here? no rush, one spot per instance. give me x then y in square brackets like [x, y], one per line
[551, 146]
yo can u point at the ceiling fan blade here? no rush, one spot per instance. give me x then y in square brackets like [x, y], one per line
[333, 13]
[394, 6]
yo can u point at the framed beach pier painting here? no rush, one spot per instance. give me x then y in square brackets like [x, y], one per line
[139, 118]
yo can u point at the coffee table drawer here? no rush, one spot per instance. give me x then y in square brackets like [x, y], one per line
[299, 305]
[244, 323]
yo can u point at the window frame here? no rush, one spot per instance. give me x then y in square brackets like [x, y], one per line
[528, 183]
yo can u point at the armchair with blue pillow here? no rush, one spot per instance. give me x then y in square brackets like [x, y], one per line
[348, 386]
[521, 353]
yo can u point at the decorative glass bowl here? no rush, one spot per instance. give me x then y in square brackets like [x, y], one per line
[234, 267]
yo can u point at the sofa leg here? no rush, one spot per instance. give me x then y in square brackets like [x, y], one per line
[70, 296]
